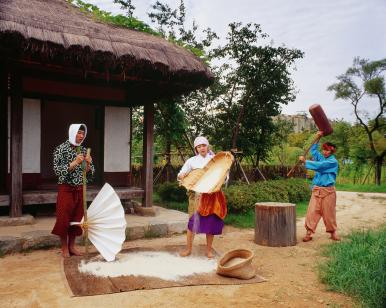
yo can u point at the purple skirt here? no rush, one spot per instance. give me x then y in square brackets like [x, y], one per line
[210, 224]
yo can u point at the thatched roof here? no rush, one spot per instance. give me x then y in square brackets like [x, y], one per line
[54, 31]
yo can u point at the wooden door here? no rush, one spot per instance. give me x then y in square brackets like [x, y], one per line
[56, 119]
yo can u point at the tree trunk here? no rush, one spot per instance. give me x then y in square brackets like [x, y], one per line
[275, 224]
[235, 131]
[378, 169]
[168, 159]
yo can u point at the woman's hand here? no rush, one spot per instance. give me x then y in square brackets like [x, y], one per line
[181, 176]
[88, 159]
[79, 159]
[88, 162]
[302, 159]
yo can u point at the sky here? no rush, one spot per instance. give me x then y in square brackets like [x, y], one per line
[330, 33]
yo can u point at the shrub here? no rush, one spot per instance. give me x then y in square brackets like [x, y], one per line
[171, 191]
[298, 189]
[241, 198]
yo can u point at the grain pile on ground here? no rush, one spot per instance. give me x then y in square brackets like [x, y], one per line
[163, 265]
[83, 280]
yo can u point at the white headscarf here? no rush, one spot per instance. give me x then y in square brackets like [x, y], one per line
[201, 140]
[73, 130]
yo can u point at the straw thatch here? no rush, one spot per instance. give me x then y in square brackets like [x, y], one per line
[55, 32]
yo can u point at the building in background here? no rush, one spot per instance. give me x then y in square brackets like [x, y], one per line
[300, 121]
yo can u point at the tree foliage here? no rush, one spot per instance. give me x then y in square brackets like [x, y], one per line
[366, 79]
[257, 81]
[129, 21]
[126, 5]
[172, 24]
[341, 138]
[281, 148]
[175, 114]
[252, 80]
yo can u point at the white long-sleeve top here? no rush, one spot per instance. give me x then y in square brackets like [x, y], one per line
[195, 162]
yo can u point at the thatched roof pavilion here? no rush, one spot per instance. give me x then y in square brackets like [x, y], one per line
[56, 32]
[51, 51]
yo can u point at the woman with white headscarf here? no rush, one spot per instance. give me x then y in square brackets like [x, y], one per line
[68, 159]
[206, 211]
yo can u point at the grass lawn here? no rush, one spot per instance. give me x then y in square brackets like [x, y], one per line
[357, 267]
[362, 188]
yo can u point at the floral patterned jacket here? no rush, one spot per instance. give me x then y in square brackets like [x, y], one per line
[64, 154]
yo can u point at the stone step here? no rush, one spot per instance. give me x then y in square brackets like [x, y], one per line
[43, 239]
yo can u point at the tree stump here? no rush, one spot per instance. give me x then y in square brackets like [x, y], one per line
[275, 224]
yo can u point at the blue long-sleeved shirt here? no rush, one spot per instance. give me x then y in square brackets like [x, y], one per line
[326, 169]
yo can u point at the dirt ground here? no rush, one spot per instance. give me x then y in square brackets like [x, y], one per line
[35, 279]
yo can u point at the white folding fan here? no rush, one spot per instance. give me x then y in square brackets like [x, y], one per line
[105, 223]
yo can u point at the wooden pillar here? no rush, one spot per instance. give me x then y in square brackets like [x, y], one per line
[131, 148]
[275, 224]
[148, 135]
[3, 127]
[16, 144]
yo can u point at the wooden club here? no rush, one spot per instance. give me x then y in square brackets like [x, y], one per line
[323, 125]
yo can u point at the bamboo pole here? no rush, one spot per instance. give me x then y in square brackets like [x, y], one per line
[85, 220]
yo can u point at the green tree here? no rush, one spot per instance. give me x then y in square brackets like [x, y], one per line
[126, 5]
[129, 21]
[171, 22]
[341, 138]
[258, 82]
[298, 139]
[280, 138]
[366, 79]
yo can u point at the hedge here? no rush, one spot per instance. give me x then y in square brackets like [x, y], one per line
[171, 191]
[242, 197]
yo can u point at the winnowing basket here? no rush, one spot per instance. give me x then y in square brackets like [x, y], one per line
[210, 178]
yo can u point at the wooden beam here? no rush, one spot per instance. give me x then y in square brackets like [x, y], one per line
[68, 89]
[79, 74]
[148, 131]
[16, 144]
[3, 126]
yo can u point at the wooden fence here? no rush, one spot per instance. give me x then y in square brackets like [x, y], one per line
[270, 172]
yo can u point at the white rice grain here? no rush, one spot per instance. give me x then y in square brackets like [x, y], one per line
[162, 265]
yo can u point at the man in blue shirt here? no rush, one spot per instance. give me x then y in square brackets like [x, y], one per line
[323, 199]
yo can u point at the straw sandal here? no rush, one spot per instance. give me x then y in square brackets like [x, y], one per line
[334, 237]
[308, 237]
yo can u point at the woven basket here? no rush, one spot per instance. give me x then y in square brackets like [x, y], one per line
[242, 269]
[210, 178]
